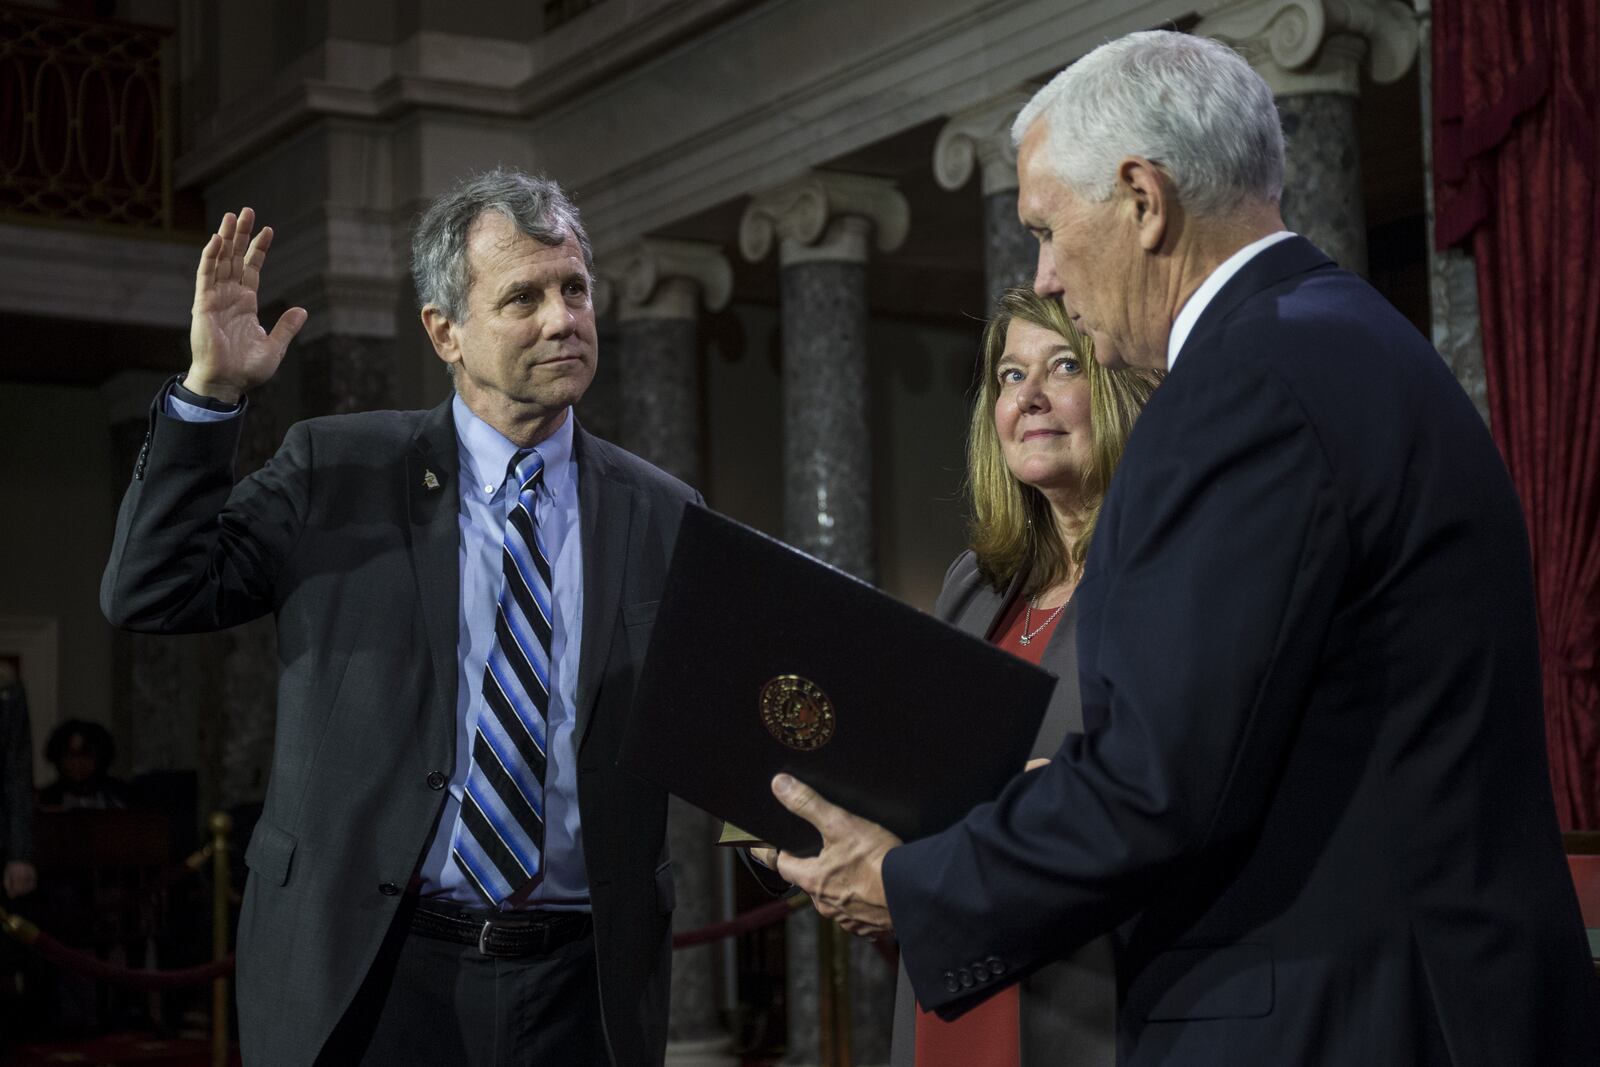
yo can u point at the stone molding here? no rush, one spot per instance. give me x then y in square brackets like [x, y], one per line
[97, 275]
[1318, 46]
[801, 213]
[676, 106]
[705, 1052]
[434, 69]
[347, 305]
[658, 278]
[981, 137]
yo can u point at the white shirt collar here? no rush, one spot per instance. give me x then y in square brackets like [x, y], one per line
[1189, 314]
[486, 454]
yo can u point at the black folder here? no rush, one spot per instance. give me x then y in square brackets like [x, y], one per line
[763, 659]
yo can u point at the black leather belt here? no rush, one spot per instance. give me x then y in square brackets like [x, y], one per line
[506, 935]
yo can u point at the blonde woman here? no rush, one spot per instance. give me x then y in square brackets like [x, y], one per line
[1048, 427]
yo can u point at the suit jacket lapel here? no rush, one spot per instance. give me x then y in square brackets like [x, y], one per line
[605, 521]
[976, 608]
[433, 499]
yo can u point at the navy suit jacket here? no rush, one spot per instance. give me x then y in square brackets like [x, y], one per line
[1312, 799]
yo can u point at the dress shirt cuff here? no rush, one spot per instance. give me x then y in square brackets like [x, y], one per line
[189, 406]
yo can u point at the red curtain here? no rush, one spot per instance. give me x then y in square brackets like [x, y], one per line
[1516, 85]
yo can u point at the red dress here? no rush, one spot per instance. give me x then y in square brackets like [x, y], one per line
[989, 1035]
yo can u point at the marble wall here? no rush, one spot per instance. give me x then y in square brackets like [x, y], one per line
[1322, 175]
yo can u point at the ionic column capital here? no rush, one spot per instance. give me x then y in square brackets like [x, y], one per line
[1317, 46]
[809, 216]
[981, 136]
[658, 278]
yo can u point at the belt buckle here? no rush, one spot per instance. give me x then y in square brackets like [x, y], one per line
[483, 937]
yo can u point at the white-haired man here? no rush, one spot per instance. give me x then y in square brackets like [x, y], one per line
[1312, 799]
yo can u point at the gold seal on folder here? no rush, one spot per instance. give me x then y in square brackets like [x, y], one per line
[797, 712]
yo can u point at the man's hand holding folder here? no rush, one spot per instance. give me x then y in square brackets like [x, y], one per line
[845, 879]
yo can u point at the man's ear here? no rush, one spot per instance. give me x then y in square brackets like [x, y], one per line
[1151, 198]
[441, 331]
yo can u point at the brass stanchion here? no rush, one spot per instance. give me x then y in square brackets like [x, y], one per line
[221, 826]
[833, 988]
[24, 931]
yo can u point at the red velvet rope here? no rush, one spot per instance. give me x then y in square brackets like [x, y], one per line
[87, 965]
[771, 912]
[128, 977]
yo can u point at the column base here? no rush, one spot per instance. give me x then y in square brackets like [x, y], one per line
[702, 1052]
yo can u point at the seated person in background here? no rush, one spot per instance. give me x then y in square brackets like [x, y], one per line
[1048, 427]
[81, 753]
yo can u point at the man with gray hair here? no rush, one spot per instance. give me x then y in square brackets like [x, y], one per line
[449, 868]
[1312, 800]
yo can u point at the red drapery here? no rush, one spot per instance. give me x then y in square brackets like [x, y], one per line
[1516, 85]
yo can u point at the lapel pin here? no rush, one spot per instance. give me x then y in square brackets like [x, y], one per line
[430, 480]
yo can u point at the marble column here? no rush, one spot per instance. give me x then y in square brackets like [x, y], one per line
[1452, 274]
[980, 138]
[1311, 53]
[661, 285]
[824, 225]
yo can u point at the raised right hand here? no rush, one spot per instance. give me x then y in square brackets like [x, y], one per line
[229, 351]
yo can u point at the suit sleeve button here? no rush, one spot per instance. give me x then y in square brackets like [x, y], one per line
[950, 982]
[966, 978]
[436, 780]
[997, 966]
[389, 889]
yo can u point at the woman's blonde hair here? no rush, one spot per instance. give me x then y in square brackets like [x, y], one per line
[1013, 530]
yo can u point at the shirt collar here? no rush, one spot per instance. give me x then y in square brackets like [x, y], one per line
[486, 454]
[1190, 313]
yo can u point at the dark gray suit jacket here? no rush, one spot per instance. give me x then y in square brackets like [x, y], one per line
[1068, 1009]
[342, 540]
[16, 776]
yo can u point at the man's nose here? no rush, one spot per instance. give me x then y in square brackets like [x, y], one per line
[1045, 282]
[556, 319]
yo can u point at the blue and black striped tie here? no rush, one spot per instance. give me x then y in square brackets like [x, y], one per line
[499, 837]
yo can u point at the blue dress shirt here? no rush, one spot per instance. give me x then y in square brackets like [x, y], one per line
[485, 457]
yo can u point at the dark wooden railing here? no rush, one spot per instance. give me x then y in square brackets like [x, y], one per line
[85, 120]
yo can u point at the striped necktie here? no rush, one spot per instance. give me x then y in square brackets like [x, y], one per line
[500, 833]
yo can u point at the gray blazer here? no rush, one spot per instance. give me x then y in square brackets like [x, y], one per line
[1069, 1007]
[348, 537]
